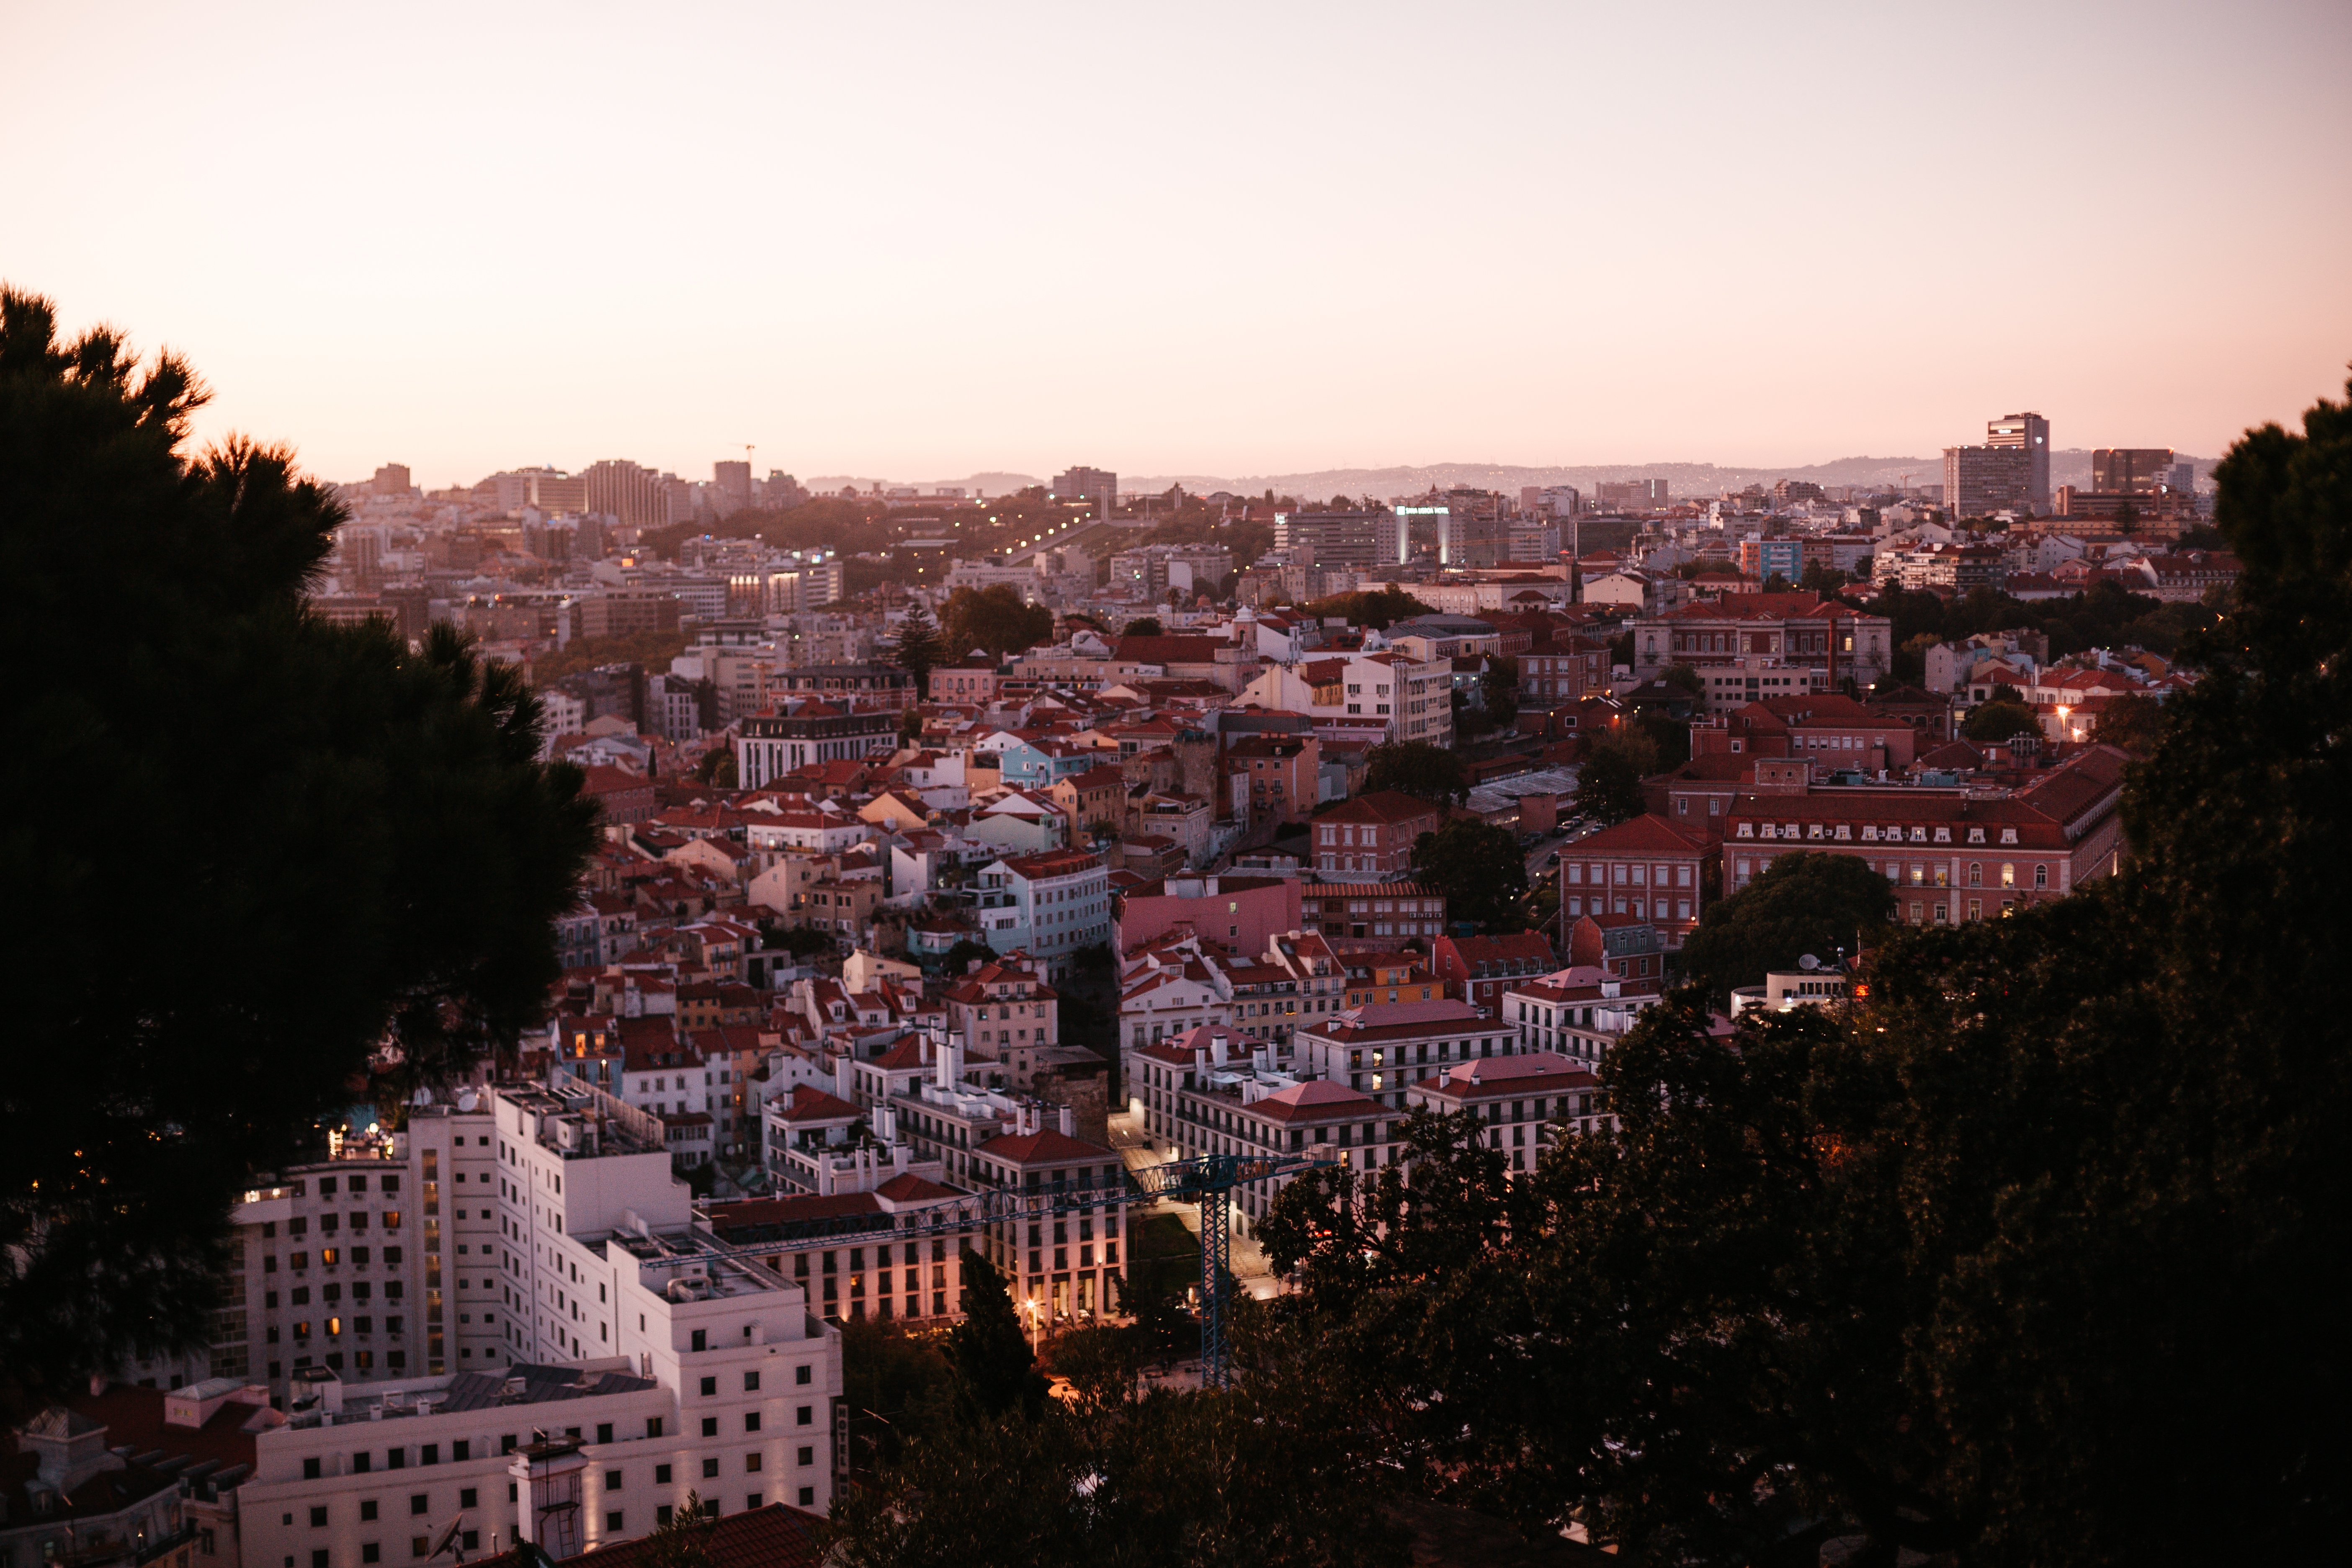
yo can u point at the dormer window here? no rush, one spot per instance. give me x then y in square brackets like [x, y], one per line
[1976, 836]
[2009, 835]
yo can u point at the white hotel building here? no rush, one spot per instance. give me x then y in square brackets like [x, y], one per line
[595, 1309]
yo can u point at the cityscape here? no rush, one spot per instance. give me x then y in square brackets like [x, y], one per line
[1279, 1001]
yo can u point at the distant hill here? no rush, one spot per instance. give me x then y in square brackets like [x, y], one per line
[973, 484]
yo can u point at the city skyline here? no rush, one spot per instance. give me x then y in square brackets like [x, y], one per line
[936, 244]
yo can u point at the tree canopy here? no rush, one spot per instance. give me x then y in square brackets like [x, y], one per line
[994, 1366]
[920, 649]
[1377, 608]
[346, 859]
[1979, 1264]
[1419, 769]
[1799, 904]
[1998, 720]
[993, 619]
[1480, 870]
[1608, 781]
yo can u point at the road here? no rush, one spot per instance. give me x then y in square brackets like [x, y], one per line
[1537, 868]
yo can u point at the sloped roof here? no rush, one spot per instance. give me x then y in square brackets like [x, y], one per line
[1317, 1097]
[1048, 1147]
[1648, 833]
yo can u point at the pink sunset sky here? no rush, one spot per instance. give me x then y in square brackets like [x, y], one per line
[919, 241]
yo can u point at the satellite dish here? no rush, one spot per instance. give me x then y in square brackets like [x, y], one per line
[449, 1538]
[1809, 962]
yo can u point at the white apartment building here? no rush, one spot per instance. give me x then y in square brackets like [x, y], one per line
[1381, 1049]
[1050, 904]
[678, 1365]
[366, 1266]
[1579, 1012]
[1402, 698]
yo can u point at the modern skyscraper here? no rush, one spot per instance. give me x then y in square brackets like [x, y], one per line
[2130, 470]
[1981, 480]
[2032, 433]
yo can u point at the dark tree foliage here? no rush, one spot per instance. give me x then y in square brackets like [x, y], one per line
[1998, 720]
[1609, 783]
[801, 941]
[1669, 741]
[332, 843]
[899, 1386]
[1141, 627]
[2109, 616]
[1378, 609]
[685, 1541]
[1799, 904]
[965, 953]
[648, 650]
[996, 1371]
[1418, 769]
[992, 619]
[1266, 1477]
[2132, 721]
[919, 648]
[2031, 1256]
[1479, 869]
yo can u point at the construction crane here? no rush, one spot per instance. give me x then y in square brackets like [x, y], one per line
[1206, 1179]
[1209, 1180]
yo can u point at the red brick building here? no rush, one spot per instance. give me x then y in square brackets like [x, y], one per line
[1651, 867]
[1477, 969]
[1370, 837]
[1950, 856]
[1834, 731]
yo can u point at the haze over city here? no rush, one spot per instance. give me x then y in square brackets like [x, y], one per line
[1229, 242]
[1447, 786]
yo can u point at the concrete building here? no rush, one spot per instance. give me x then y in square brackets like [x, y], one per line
[1979, 481]
[1050, 904]
[800, 733]
[2028, 433]
[1360, 540]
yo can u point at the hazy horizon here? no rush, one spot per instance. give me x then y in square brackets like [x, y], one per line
[1234, 241]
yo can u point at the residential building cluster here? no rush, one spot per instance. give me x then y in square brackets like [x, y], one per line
[814, 1038]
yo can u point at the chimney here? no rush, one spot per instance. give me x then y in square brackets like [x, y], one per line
[1217, 1049]
[1069, 1122]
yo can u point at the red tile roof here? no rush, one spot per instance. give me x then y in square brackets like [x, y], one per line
[1048, 1147]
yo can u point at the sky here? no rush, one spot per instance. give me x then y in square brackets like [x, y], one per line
[920, 241]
